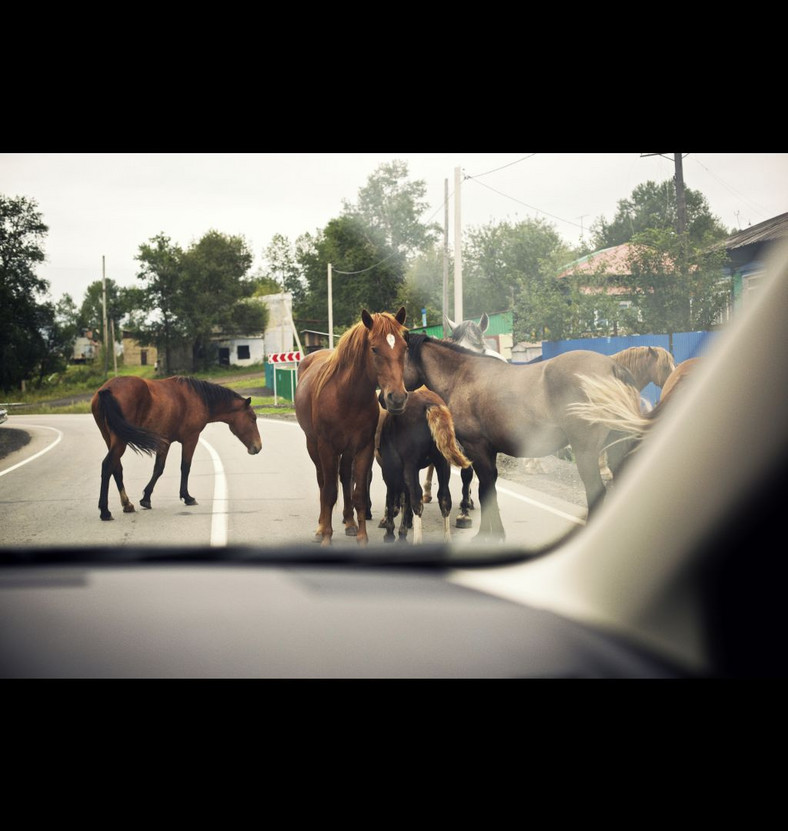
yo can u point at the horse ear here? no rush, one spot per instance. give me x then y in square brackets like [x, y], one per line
[449, 322]
[484, 322]
[401, 315]
[249, 402]
[366, 317]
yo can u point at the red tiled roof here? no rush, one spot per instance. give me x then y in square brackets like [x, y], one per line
[614, 261]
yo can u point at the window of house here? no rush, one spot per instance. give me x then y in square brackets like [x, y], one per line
[243, 353]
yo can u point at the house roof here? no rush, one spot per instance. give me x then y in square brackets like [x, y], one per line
[770, 230]
[613, 260]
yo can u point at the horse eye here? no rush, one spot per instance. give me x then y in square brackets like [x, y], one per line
[375, 350]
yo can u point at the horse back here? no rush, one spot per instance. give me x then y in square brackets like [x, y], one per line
[164, 406]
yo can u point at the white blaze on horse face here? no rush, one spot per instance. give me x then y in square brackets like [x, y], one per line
[390, 340]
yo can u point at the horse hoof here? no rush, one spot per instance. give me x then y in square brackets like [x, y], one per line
[426, 499]
[190, 501]
[351, 531]
[106, 517]
[464, 522]
[145, 503]
[129, 509]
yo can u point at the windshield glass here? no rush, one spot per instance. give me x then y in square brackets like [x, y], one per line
[355, 355]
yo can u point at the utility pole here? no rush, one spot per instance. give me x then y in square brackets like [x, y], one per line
[681, 198]
[457, 248]
[104, 326]
[330, 311]
[445, 255]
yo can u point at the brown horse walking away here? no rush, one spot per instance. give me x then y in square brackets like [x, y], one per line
[337, 407]
[149, 415]
[519, 410]
[423, 434]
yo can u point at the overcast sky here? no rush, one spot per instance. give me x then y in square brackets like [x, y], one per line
[107, 205]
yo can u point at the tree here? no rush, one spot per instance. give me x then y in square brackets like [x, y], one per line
[22, 345]
[393, 206]
[653, 206]
[195, 294]
[367, 273]
[281, 266]
[674, 285]
[121, 302]
[513, 266]
[158, 319]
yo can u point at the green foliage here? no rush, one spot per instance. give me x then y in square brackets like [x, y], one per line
[194, 294]
[393, 206]
[29, 328]
[653, 206]
[675, 285]
[366, 274]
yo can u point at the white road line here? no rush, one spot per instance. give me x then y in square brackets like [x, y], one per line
[40, 452]
[534, 502]
[219, 510]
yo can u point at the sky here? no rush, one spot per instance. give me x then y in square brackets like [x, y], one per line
[100, 207]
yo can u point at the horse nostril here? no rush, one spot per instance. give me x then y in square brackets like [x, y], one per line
[395, 402]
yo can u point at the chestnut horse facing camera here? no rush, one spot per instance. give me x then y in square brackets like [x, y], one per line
[336, 405]
[149, 415]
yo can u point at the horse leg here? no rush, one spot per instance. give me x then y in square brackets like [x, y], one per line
[466, 503]
[362, 462]
[490, 525]
[588, 466]
[128, 507]
[427, 497]
[329, 490]
[187, 453]
[311, 446]
[158, 469]
[604, 467]
[444, 496]
[387, 522]
[346, 478]
[414, 505]
[108, 467]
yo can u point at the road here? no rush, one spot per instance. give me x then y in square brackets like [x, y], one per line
[49, 494]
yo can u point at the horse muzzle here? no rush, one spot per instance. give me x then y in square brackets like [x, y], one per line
[254, 449]
[395, 402]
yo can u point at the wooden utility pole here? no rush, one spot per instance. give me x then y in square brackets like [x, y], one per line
[445, 255]
[457, 248]
[104, 327]
[681, 198]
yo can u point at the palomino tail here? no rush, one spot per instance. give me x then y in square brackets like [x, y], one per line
[441, 426]
[137, 438]
[613, 403]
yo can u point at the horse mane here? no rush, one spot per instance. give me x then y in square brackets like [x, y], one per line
[349, 354]
[211, 394]
[642, 360]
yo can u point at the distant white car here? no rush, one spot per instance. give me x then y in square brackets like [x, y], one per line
[3, 415]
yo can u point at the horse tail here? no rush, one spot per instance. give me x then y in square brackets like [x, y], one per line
[614, 403]
[137, 438]
[441, 426]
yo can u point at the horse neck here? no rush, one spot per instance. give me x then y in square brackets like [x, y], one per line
[438, 366]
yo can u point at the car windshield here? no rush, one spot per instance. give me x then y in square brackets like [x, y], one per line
[355, 356]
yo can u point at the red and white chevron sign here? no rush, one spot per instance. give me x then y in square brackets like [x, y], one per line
[284, 357]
